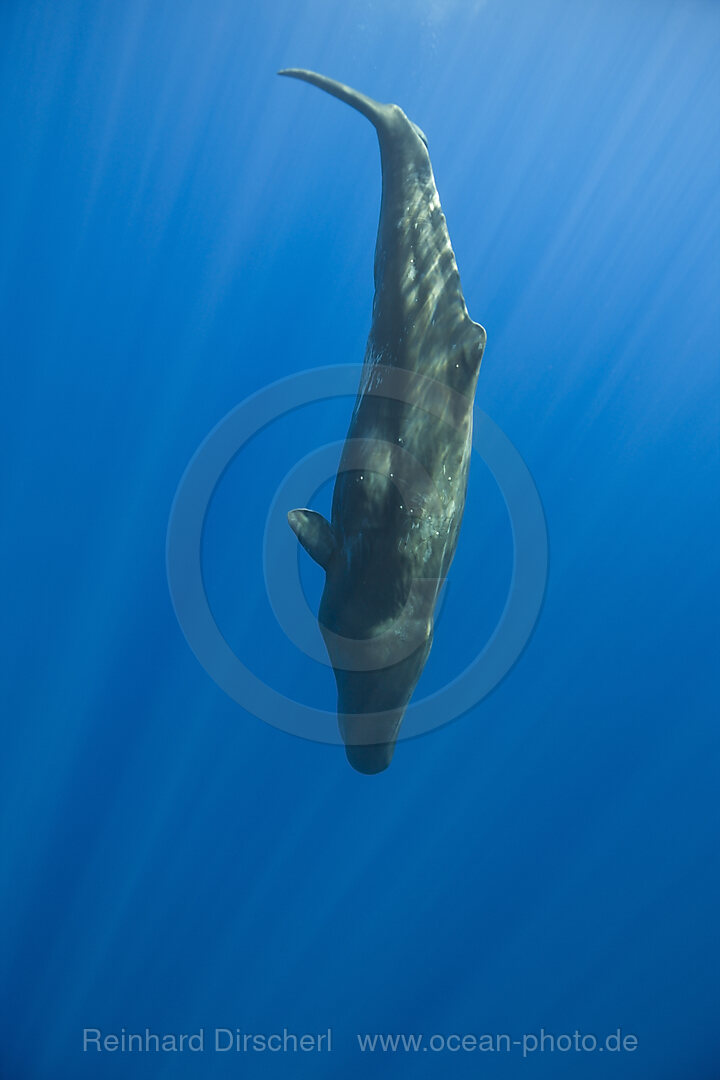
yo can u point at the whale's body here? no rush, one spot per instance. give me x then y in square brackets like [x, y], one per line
[400, 490]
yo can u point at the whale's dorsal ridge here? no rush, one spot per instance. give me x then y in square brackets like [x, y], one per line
[481, 333]
[315, 534]
[479, 339]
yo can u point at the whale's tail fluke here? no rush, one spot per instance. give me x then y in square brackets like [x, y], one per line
[373, 110]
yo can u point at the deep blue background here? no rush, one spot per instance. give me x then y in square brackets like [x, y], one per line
[180, 227]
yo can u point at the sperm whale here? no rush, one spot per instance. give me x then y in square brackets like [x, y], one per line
[401, 485]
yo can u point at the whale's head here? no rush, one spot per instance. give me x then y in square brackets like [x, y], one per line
[371, 705]
[377, 629]
[376, 619]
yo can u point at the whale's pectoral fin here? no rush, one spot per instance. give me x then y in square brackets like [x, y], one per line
[314, 533]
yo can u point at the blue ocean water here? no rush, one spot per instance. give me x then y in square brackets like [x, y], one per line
[181, 228]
